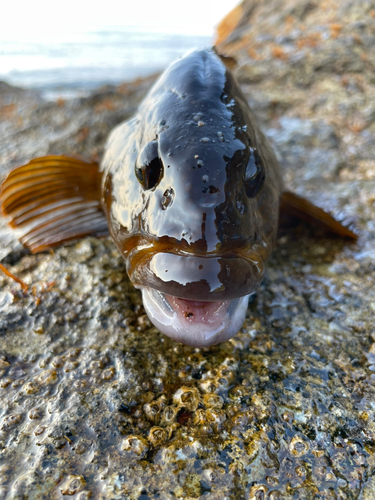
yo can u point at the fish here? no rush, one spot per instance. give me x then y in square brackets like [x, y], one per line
[190, 191]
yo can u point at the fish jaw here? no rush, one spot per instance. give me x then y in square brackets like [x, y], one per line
[206, 278]
[195, 323]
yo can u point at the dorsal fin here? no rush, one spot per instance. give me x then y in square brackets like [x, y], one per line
[55, 199]
[295, 206]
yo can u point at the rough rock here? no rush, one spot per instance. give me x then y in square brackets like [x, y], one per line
[96, 402]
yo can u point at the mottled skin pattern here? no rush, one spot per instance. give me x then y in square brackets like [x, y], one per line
[199, 208]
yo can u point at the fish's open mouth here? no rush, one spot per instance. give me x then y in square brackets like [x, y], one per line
[198, 300]
[194, 322]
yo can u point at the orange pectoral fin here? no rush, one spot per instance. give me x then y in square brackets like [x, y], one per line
[295, 206]
[55, 199]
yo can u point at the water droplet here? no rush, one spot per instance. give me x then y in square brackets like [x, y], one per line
[240, 207]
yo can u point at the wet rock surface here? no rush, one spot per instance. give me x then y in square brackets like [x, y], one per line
[97, 403]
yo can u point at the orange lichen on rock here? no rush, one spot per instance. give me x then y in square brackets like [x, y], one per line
[278, 52]
[335, 29]
[289, 21]
[253, 53]
[357, 124]
[82, 134]
[228, 24]
[7, 112]
[105, 105]
[311, 40]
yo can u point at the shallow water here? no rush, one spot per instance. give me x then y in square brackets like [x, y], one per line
[72, 64]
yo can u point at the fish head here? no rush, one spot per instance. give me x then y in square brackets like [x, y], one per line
[191, 189]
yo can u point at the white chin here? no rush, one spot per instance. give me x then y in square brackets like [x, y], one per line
[197, 324]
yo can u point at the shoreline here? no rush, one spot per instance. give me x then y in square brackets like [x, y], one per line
[76, 64]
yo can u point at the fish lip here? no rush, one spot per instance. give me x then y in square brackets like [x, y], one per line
[213, 323]
[208, 278]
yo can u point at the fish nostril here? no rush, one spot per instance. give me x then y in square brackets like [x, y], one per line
[210, 190]
[167, 199]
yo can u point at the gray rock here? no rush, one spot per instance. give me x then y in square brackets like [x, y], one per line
[95, 401]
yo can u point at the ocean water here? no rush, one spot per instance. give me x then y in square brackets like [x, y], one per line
[71, 64]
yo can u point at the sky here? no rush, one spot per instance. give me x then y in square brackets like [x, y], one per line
[80, 44]
[46, 19]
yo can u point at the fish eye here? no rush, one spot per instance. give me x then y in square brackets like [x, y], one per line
[254, 174]
[149, 167]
